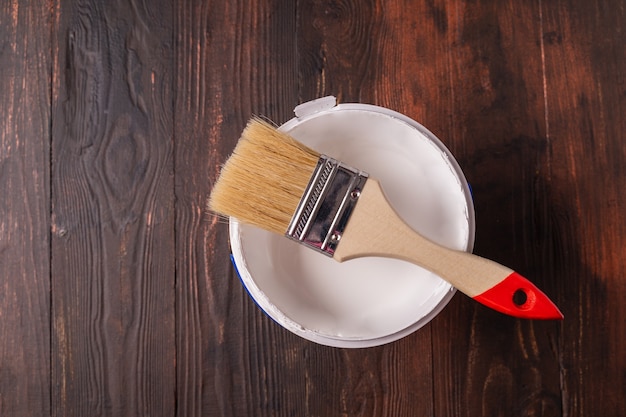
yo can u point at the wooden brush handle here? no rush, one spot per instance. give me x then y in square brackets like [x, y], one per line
[375, 229]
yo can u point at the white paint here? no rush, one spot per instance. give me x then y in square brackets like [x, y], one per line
[368, 301]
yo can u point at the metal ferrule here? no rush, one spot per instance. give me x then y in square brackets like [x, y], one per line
[326, 205]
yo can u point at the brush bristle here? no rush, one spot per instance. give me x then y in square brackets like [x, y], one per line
[264, 179]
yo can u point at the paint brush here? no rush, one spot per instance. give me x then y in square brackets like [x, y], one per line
[278, 184]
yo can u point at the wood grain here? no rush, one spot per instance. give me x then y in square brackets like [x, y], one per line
[375, 229]
[494, 67]
[113, 350]
[24, 210]
[117, 294]
[234, 60]
[586, 99]
[346, 49]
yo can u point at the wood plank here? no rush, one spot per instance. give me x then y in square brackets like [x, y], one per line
[113, 350]
[24, 209]
[585, 67]
[491, 115]
[358, 52]
[340, 49]
[234, 59]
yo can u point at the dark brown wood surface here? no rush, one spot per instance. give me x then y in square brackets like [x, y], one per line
[117, 296]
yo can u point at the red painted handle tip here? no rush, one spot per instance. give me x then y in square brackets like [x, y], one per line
[518, 297]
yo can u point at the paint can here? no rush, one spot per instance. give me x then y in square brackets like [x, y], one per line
[369, 301]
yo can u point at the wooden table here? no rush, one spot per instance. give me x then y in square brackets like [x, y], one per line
[117, 296]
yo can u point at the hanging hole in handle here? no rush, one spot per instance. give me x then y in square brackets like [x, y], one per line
[524, 298]
[520, 297]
